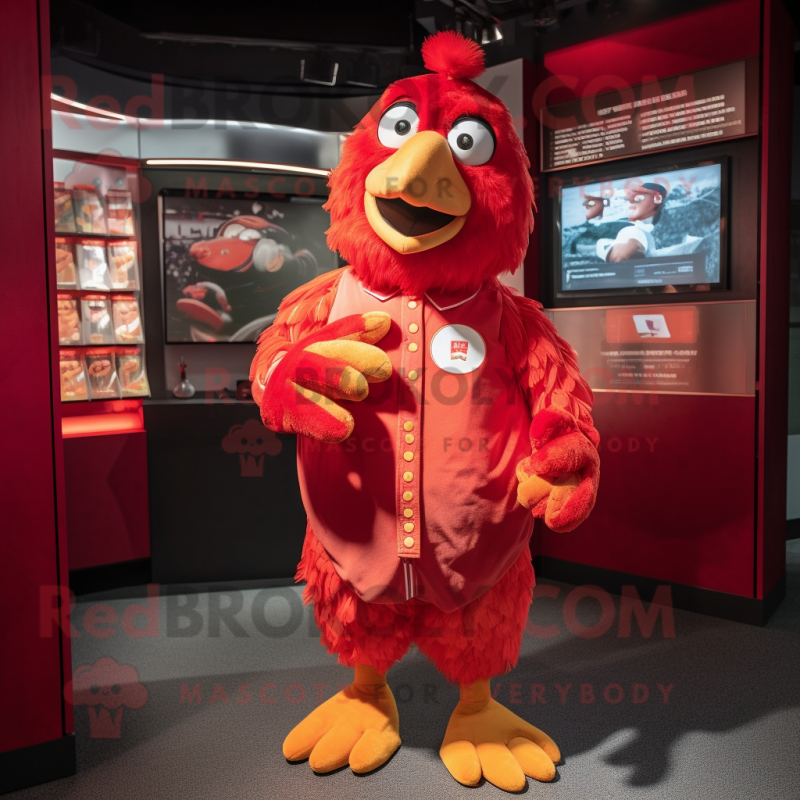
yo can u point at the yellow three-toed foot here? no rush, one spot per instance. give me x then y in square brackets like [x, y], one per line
[485, 739]
[358, 726]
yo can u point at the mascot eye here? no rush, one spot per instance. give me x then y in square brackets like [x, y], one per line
[472, 141]
[249, 233]
[398, 124]
[233, 231]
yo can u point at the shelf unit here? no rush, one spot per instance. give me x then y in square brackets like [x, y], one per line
[106, 411]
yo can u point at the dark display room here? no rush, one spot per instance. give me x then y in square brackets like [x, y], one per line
[402, 400]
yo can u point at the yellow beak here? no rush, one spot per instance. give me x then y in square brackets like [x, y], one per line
[417, 199]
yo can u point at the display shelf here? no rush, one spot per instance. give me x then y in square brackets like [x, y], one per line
[99, 291]
[215, 400]
[102, 406]
[85, 346]
[101, 417]
[111, 203]
[101, 424]
[111, 236]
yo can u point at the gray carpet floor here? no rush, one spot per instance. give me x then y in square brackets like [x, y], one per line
[729, 729]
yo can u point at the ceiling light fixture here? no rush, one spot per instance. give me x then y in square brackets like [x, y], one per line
[319, 70]
[361, 72]
[475, 23]
[491, 33]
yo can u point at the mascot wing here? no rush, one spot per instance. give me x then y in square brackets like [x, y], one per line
[545, 365]
[301, 313]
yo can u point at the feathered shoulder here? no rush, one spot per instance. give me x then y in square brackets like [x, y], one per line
[545, 364]
[302, 312]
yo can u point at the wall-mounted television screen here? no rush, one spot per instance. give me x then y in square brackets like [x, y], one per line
[229, 262]
[642, 232]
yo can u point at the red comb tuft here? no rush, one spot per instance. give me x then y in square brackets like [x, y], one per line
[451, 54]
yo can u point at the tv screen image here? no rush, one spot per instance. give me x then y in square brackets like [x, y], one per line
[643, 231]
[229, 262]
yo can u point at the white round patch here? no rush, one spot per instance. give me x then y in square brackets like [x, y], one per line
[458, 349]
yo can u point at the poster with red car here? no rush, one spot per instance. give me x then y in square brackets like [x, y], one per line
[229, 262]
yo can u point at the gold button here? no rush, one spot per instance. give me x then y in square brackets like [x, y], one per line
[408, 513]
[408, 527]
[409, 438]
[408, 541]
[412, 303]
[408, 496]
[413, 375]
[408, 477]
[413, 347]
[413, 327]
[408, 425]
[408, 455]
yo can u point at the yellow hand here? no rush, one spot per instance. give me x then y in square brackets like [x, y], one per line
[545, 495]
[337, 362]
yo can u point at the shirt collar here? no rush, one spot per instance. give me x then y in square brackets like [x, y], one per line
[442, 301]
[382, 296]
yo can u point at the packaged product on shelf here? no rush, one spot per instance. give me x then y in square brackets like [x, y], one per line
[72, 371]
[69, 320]
[119, 211]
[102, 371]
[65, 215]
[92, 265]
[123, 264]
[131, 371]
[97, 319]
[89, 216]
[127, 321]
[66, 277]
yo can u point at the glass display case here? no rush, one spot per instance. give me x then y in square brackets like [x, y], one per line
[97, 258]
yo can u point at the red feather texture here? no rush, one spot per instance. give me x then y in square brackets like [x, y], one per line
[476, 642]
[453, 55]
[498, 225]
[302, 312]
[546, 365]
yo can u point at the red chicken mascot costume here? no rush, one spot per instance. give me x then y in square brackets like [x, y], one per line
[437, 413]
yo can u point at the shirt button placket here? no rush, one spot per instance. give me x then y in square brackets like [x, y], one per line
[408, 438]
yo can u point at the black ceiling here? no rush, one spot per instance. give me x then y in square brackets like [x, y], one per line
[354, 22]
[265, 46]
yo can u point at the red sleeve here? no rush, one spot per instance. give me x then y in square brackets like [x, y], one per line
[301, 313]
[545, 365]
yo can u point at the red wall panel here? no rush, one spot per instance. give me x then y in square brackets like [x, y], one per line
[32, 665]
[707, 506]
[676, 498]
[773, 352]
[107, 502]
[713, 35]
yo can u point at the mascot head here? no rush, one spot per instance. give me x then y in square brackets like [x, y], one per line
[433, 188]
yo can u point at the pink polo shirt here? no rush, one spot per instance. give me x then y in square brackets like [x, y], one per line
[420, 500]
